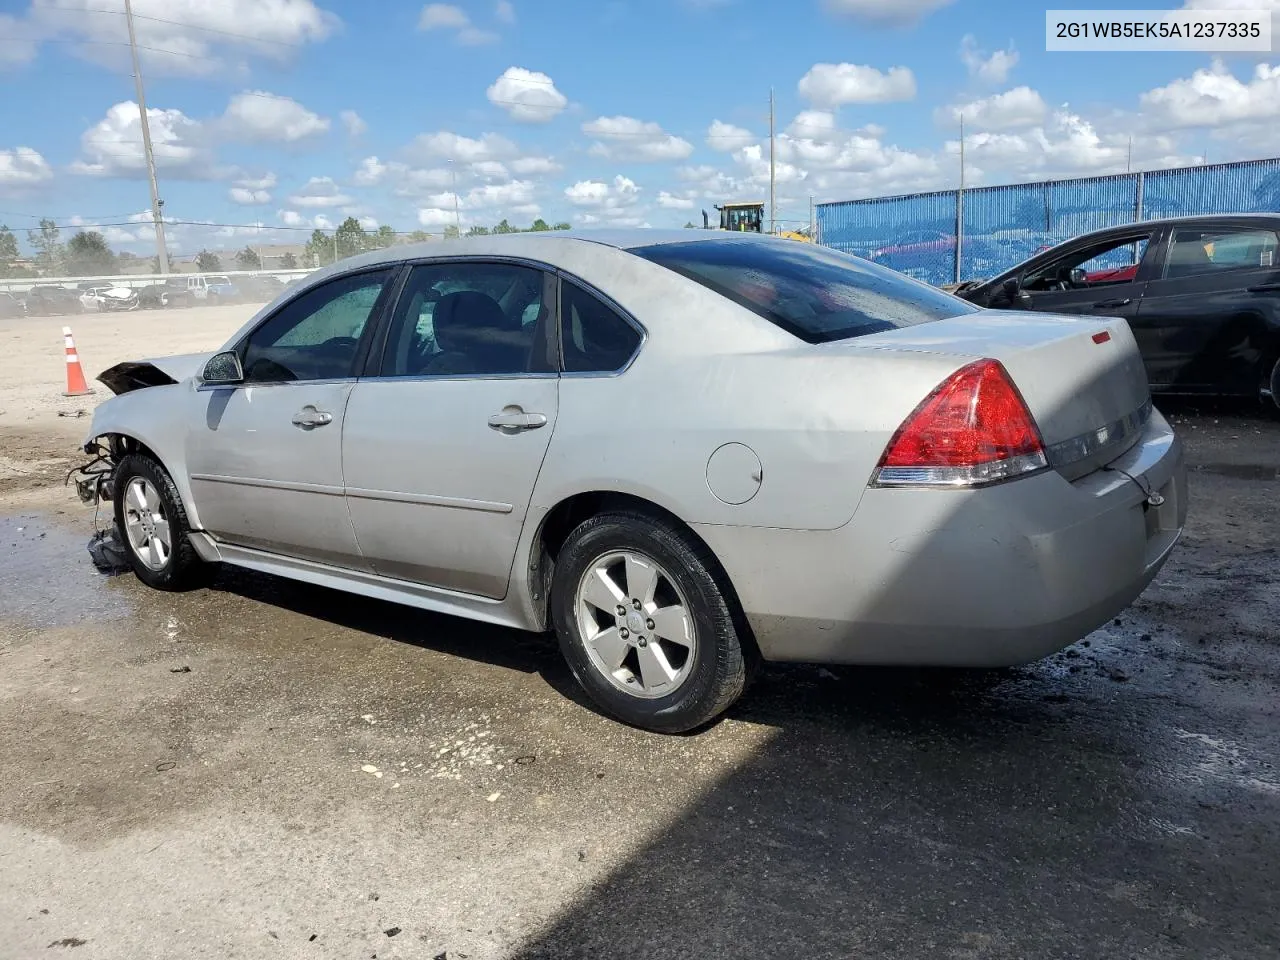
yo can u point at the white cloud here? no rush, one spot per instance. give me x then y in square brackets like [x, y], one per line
[320, 192]
[353, 122]
[446, 16]
[1019, 107]
[527, 96]
[256, 116]
[204, 39]
[611, 200]
[15, 52]
[993, 68]
[727, 137]
[505, 12]
[113, 146]
[446, 145]
[534, 166]
[252, 191]
[812, 123]
[433, 218]
[368, 223]
[672, 201]
[836, 84]
[631, 139]
[435, 16]
[21, 168]
[894, 12]
[1068, 145]
[1214, 97]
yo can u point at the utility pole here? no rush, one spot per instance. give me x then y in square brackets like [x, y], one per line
[457, 219]
[1128, 163]
[773, 173]
[812, 228]
[960, 206]
[162, 252]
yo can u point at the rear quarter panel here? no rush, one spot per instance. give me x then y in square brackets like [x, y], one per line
[712, 373]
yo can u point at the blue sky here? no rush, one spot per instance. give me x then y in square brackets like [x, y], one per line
[297, 113]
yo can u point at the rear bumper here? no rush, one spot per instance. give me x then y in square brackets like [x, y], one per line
[990, 577]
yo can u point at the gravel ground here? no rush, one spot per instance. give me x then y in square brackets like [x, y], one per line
[265, 769]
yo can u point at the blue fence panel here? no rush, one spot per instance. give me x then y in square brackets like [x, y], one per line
[1005, 225]
[914, 234]
[1002, 225]
[1224, 188]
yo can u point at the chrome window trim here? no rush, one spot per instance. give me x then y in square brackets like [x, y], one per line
[245, 384]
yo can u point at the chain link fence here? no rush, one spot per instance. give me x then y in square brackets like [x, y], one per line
[952, 235]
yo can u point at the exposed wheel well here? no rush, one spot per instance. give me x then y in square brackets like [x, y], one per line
[565, 517]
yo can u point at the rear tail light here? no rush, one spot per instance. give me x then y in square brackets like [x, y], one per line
[975, 428]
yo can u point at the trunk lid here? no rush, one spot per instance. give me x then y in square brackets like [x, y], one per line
[1082, 377]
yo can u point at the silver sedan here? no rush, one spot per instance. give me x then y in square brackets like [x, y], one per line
[684, 452]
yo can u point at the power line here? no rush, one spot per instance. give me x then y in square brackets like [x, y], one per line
[175, 23]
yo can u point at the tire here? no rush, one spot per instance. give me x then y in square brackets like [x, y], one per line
[1275, 388]
[696, 681]
[176, 567]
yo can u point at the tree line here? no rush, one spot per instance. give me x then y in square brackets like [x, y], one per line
[87, 253]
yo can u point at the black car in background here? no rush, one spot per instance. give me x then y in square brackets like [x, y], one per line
[1201, 294]
[50, 300]
[11, 306]
[171, 293]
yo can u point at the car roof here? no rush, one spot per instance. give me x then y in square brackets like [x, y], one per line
[536, 244]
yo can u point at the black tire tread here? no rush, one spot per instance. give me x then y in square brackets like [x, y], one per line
[733, 661]
[186, 569]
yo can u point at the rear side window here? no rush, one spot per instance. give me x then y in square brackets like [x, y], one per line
[593, 338]
[813, 292]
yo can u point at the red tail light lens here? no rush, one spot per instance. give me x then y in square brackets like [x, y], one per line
[974, 428]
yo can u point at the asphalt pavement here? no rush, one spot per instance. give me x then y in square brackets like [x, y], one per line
[266, 769]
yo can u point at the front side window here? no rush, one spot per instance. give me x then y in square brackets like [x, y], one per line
[471, 319]
[315, 336]
[1198, 252]
[813, 292]
[1108, 262]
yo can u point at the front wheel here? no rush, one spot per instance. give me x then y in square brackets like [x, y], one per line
[150, 515]
[644, 624]
[1275, 386]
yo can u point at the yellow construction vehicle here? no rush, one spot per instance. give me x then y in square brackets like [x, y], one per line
[748, 217]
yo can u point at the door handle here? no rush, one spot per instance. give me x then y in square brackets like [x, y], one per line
[1265, 288]
[517, 419]
[1114, 303]
[309, 417]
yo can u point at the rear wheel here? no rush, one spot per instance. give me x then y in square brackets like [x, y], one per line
[150, 516]
[1275, 386]
[644, 624]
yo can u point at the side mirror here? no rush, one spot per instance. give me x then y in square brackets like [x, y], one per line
[1014, 295]
[223, 368]
[1078, 277]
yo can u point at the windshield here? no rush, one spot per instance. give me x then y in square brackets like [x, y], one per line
[816, 293]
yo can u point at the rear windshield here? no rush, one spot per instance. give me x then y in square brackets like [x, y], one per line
[816, 293]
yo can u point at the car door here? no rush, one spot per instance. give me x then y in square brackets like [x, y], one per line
[1210, 319]
[443, 445]
[265, 455]
[1105, 277]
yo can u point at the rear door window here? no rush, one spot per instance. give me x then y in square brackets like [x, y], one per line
[813, 292]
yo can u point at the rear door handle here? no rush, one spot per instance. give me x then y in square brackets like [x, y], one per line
[1114, 303]
[517, 419]
[309, 417]
[1265, 288]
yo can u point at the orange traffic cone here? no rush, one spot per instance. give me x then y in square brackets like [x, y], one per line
[76, 385]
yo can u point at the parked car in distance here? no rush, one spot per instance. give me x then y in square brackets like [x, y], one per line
[108, 297]
[51, 300]
[173, 292]
[1201, 294]
[684, 455]
[11, 306]
[261, 289]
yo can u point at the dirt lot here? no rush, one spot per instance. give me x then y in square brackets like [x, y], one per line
[191, 775]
